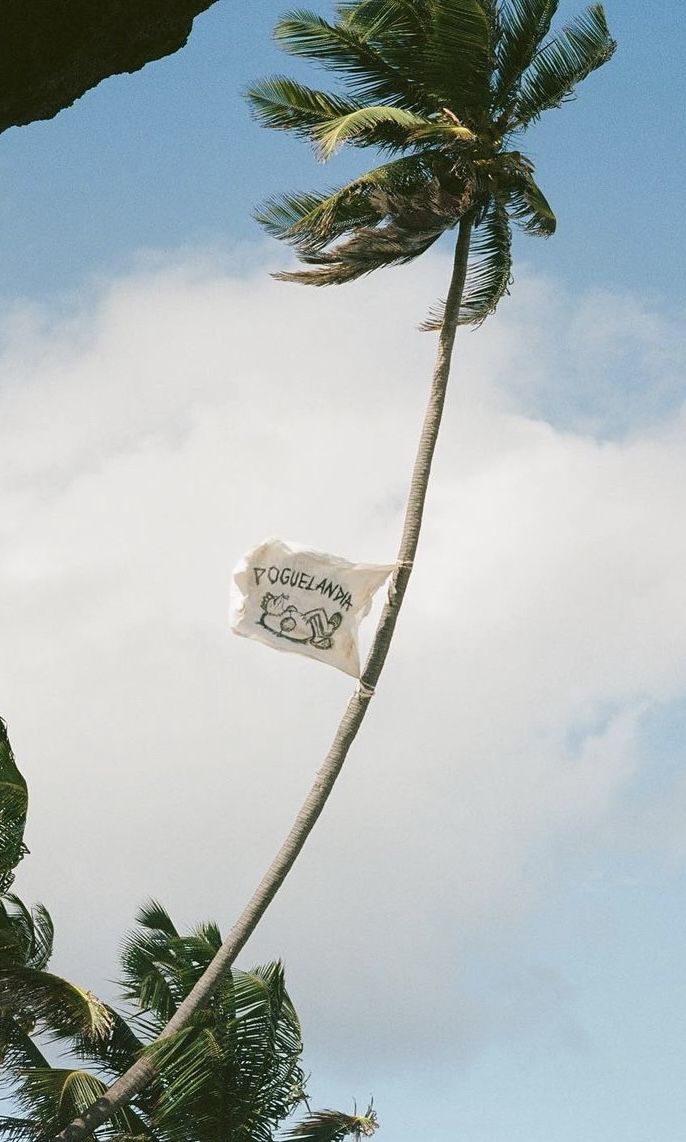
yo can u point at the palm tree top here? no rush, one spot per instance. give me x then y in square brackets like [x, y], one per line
[234, 1075]
[444, 89]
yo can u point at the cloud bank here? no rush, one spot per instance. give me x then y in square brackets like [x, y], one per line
[151, 433]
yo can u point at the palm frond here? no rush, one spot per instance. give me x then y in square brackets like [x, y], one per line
[410, 208]
[365, 126]
[314, 217]
[398, 25]
[447, 133]
[489, 270]
[26, 936]
[17, 1049]
[185, 1064]
[312, 221]
[333, 1126]
[155, 916]
[247, 1045]
[283, 103]
[341, 48]
[13, 805]
[17, 934]
[210, 935]
[21, 1129]
[523, 25]
[43, 937]
[369, 249]
[46, 1090]
[55, 1096]
[457, 62]
[153, 966]
[60, 1007]
[562, 63]
[488, 273]
[147, 982]
[235, 1073]
[528, 206]
[114, 1051]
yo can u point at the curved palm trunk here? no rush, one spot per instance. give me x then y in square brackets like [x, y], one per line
[142, 1072]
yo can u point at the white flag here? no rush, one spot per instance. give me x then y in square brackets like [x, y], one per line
[304, 601]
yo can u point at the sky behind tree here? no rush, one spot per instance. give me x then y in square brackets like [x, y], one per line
[486, 929]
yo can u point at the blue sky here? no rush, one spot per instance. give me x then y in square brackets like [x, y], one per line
[487, 932]
[169, 156]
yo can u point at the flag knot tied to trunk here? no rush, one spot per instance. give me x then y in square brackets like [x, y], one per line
[304, 601]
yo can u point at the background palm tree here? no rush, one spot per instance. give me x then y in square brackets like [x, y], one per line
[14, 801]
[445, 89]
[30, 996]
[233, 1075]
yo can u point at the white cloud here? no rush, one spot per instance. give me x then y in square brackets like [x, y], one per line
[178, 417]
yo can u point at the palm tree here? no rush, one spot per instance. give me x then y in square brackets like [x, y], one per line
[444, 90]
[233, 1075]
[14, 800]
[29, 995]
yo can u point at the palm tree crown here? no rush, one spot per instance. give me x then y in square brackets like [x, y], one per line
[30, 996]
[233, 1075]
[445, 88]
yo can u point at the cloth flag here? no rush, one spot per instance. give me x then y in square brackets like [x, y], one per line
[304, 601]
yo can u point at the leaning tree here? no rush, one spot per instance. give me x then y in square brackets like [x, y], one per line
[444, 91]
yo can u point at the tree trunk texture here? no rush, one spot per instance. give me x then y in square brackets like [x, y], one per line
[143, 1071]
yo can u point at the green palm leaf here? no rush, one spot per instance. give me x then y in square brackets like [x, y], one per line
[341, 48]
[312, 221]
[489, 272]
[528, 206]
[55, 1096]
[112, 1051]
[21, 1129]
[557, 68]
[153, 969]
[26, 935]
[13, 805]
[61, 1007]
[248, 1044]
[43, 936]
[368, 250]
[282, 103]
[210, 936]
[18, 1051]
[408, 208]
[457, 60]
[396, 26]
[365, 126]
[155, 916]
[524, 24]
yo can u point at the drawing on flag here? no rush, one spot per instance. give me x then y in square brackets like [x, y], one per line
[304, 601]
